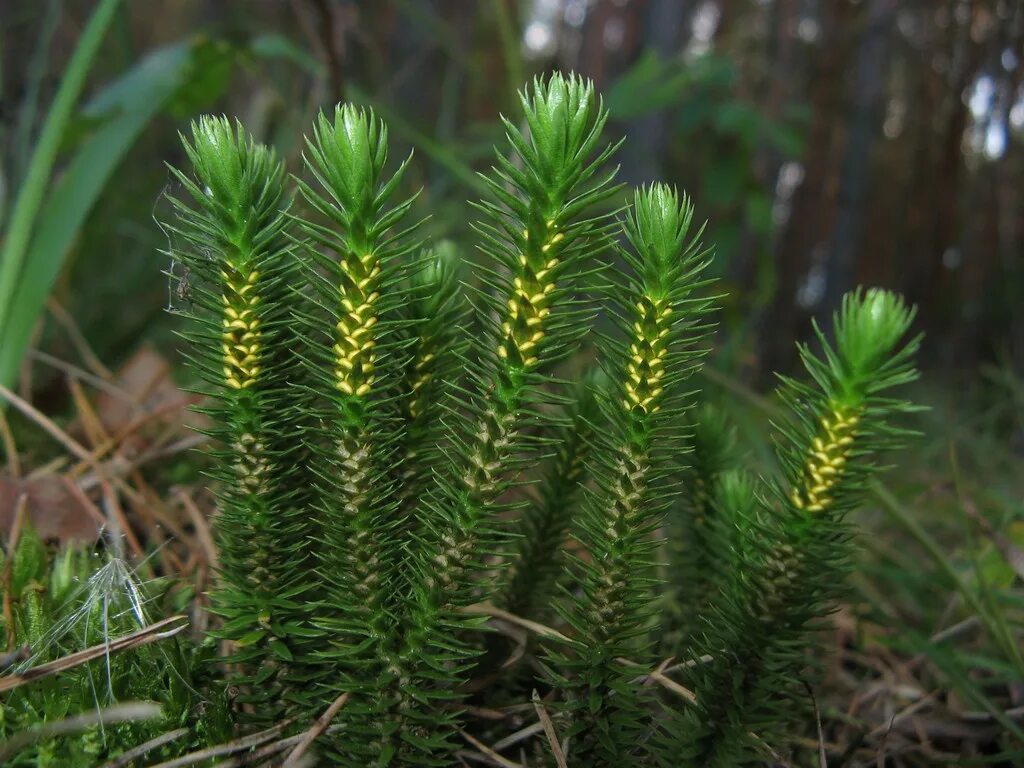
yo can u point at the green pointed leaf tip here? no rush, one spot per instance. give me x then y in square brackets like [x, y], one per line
[440, 268]
[868, 327]
[238, 176]
[657, 227]
[348, 155]
[714, 439]
[561, 114]
[735, 492]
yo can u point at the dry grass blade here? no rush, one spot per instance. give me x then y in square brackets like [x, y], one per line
[521, 735]
[79, 373]
[822, 759]
[10, 447]
[549, 731]
[130, 756]
[658, 676]
[486, 753]
[314, 733]
[161, 630]
[77, 339]
[5, 579]
[246, 742]
[47, 425]
[257, 756]
[119, 713]
[486, 609]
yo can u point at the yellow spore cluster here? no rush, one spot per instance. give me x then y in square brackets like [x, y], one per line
[241, 338]
[421, 377]
[647, 353]
[530, 301]
[828, 455]
[354, 357]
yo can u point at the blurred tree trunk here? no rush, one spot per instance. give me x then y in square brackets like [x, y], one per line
[855, 172]
[779, 79]
[812, 205]
[666, 28]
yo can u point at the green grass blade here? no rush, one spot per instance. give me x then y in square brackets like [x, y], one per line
[128, 105]
[30, 197]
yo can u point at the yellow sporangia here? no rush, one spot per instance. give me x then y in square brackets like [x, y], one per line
[829, 453]
[421, 378]
[647, 353]
[241, 336]
[529, 303]
[354, 357]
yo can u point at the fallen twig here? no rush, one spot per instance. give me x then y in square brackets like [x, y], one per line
[129, 757]
[119, 713]
[314, 733]
[246, 742]
[549, 731]
[486, 752]
[161, 630]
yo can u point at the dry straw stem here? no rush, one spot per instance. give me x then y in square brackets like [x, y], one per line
[21, 511]
[129, 757]
[486, 753]
[549, 730]
[161, 630]
[229, 748]
[129, 712]
[315, 732]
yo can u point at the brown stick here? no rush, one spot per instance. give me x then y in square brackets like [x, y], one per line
[314, 733]
[549, 730]
[151, 634]
[20, 513]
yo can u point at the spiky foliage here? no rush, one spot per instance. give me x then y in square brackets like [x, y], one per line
[230, 232]
[694, 554]
[437, 313]
[537, 560]
[357, 422]
[794, 547]
[539, 233]
[661, 321]
[538, 242]
[62, 602]
[356, 268]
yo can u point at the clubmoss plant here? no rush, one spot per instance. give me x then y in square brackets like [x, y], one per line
[697, 527]
[231, 232]
[374, 428]
[661, 321]
[355, 263]
[537, 562]
[794, 546]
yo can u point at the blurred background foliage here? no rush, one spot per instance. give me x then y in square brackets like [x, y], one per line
[827, 143]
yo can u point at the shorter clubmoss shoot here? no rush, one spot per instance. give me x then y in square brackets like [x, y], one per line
[251, 465]
[422, 375]
[828, 455]
[645, 368]
[354, 355]
[241, 339]
[530, 303]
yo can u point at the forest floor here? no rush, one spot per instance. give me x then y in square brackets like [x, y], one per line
[921, 667]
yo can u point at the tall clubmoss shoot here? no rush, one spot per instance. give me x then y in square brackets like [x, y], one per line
[371, 426]
[231, 232]
[662, 318]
